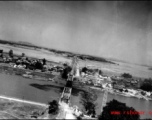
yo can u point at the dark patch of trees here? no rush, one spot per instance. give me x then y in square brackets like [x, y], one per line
[126, 75]
[66, 71]
[44, 61]
[69, 84]
[126, 90]
[91, 71]
[23, 54]
[115, 105]
[84, 69]
[38, 65]
[31, 67]
[100, 72]
[81, 57]
[147, 85]
[79, 118]
[53, 107]
[10, 53]
[94, 58]
[88, 101]
[1, 53]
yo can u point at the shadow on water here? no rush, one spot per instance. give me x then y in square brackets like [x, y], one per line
[47, 87]
[76, 91]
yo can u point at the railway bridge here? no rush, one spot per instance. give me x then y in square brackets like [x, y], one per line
[66, 94]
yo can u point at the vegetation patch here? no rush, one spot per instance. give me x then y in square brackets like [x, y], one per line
[9, 108]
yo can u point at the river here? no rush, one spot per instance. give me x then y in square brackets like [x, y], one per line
[43, 91]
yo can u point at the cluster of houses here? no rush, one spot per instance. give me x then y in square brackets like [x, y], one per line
[95, 78]
[29, 63]
[111, 84]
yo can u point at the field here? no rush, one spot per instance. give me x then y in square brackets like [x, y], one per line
[10, 109]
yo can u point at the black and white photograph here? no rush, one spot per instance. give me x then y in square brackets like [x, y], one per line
[76, 60]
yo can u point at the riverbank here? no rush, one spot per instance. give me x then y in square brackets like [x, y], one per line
[22, 101]
[13, 108]
[55, 79]
[52, 78]
[116, 92]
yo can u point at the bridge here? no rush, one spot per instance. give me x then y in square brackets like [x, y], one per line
[65, 97]
[66, 94]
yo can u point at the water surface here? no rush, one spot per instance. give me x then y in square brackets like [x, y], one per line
[43, 91]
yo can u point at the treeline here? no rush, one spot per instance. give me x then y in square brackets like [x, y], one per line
[147, 85]
[81, 56]
[126, 75]
[88, 57]
[68, 54]
[17, 43]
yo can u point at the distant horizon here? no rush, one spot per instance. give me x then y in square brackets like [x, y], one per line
[110, 29]
[113, 59]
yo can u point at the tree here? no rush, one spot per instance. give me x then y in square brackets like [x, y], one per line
[147, 85]
[38, 65]
[10, 53]
[79, 118]
[66, 71]
[84, 69]
[123, 112]
[126, 90]
[88, 101]
[100, 72]
[44, 61]
[53, 107]
[1, 53]
[23, 54]
[126, 75]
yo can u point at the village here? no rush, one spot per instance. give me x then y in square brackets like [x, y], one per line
[94, 78]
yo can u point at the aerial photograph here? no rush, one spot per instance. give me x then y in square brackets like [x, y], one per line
[76, 60]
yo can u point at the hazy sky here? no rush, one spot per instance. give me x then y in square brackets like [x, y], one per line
[121, 30]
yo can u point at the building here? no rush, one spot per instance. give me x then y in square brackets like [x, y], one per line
[118, 86]
[75, 67]
[77, 71]
[132, 91]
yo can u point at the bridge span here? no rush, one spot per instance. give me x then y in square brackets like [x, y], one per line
[66, 94]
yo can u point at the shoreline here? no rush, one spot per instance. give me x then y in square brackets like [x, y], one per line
[85, 88]
[23, 101]
[122, 94]
[20, 109]
[65, 54]
[46, 76]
